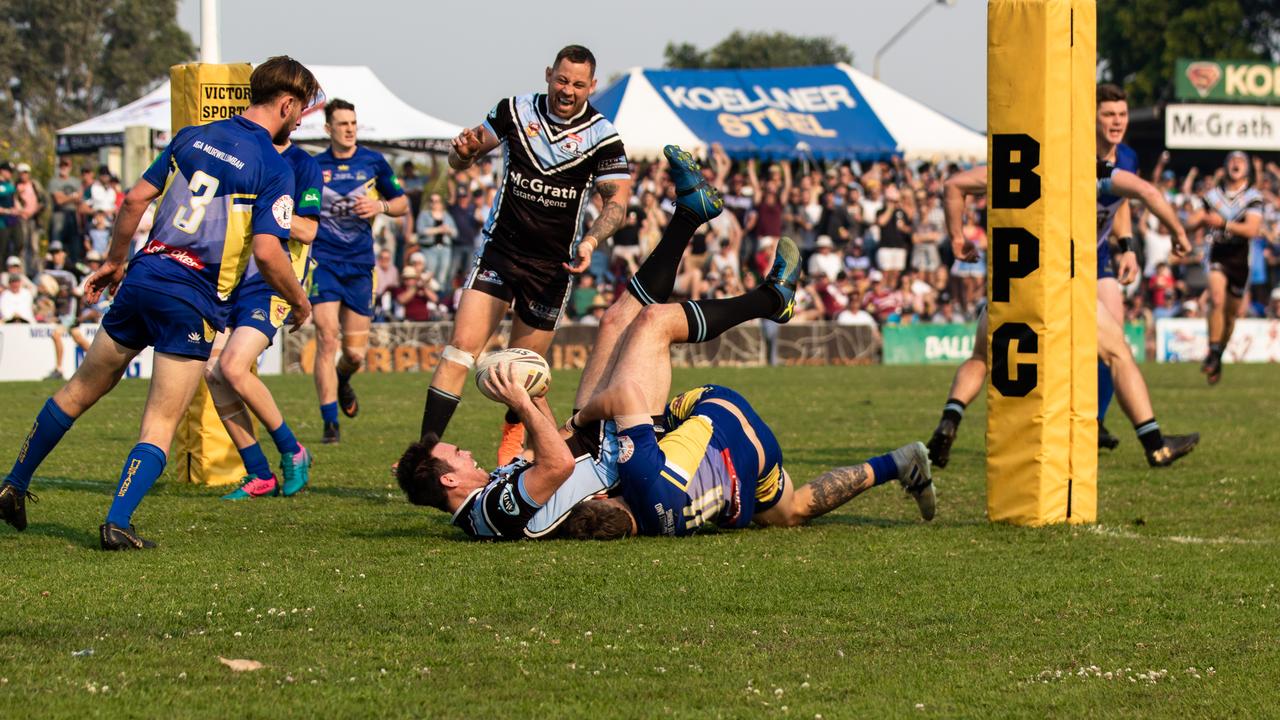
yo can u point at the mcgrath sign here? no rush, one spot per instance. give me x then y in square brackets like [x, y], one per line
[1222, 127]
[776, 112]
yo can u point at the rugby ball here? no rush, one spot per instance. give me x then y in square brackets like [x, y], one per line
[530, 369]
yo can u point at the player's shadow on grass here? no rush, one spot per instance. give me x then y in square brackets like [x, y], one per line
[74, 535]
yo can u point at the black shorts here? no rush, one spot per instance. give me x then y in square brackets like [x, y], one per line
[1232, 260]
[539, 288]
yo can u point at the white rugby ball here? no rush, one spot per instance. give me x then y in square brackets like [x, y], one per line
[530, 369]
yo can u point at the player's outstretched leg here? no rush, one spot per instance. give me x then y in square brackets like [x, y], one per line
[775, 299]
[909, 465]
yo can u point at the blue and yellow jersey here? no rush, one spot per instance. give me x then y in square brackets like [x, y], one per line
[1109, 205]
[222, 184]
[706, 470]
[343, 236]
[306, 203]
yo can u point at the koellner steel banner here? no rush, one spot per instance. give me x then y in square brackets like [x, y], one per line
[1222, 127]
[1042, 302]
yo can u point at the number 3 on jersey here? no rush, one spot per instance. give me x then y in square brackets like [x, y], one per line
[188, 218]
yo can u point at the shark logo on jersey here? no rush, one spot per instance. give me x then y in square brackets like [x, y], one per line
[532, 129]
[507, 501]
[626, 448]
[489, 276]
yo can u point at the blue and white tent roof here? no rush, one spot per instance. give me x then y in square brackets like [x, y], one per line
[827, 112]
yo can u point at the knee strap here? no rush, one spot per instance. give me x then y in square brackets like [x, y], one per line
[458, 357]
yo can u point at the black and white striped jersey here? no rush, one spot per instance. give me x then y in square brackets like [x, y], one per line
[1232, 206]
[549, 169]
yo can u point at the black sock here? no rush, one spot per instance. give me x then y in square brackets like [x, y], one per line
[439, 409]
[953, 411]
[1149, 435]
[1215, 350]
[511, 418]
[708, 319]
[656, 278]
[343, 377]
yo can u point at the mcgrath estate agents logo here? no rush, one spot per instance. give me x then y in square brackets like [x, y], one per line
[1242, 81]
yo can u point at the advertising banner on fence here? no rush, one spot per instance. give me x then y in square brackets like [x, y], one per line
[416, 347]
[953, 344]
[27, 353]
[1187, 340]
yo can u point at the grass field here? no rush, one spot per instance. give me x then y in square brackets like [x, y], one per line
[360, 605]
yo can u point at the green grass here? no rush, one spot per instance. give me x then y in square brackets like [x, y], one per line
[361, 605]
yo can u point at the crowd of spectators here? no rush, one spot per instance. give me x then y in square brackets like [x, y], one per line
[874, 243]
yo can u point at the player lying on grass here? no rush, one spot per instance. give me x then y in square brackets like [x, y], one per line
[1161, 450]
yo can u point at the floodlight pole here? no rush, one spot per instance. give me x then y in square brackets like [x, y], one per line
[210, 46]
[875, 73]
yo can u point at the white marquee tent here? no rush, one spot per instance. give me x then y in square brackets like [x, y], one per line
[384, 118]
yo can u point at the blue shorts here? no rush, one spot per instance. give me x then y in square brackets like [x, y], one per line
[1105, 270]
[351, 285]
[260, 309]
[140, 317]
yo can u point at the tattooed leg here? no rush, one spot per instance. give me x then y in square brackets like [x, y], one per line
[820, 496]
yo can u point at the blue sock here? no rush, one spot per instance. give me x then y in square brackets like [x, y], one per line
[329, 412]
[286, 443]
[50, 425]
[885, 469]
[255, 462]
[141, 470]
[1106, 390]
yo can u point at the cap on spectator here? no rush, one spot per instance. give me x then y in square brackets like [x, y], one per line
[93, 256]
[417, 257]
[409, 273]
[1275, 294]
[1169, 175]
[56, 246]
[876, 276]
[600, 303]
[23, 167]
[824, 241]
[13, 260]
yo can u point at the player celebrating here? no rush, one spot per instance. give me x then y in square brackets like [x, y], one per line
[1232, 212]
[557, 147]
[1161, 450]
[257, 313]
[227, 195]
[358, 185]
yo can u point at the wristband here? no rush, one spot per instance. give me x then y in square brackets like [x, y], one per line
[1125, 244]
[386, 208]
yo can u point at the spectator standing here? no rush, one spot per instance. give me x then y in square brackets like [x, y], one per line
[927, 238]
[99, 235]
[30, 203]
[468, 221]
[102, 194]
[64, 193]
[10, 232]
[895, 236]
[436, 232]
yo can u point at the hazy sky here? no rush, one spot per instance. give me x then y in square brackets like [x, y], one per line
[454, 60]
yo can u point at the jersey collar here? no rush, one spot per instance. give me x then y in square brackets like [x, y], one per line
[552, 117]
[466, 503]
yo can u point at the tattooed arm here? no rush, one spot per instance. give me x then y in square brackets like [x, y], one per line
[820, 496]
[615, 195]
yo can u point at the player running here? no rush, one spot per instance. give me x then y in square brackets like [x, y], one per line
[257, 313]
[558, 149]
[1114, 220]
[1161, 450]
[358, 186]
[227, 195]
[1232, 213]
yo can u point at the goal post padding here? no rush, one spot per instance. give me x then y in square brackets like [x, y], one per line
[1041, 289]
[201, 93]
